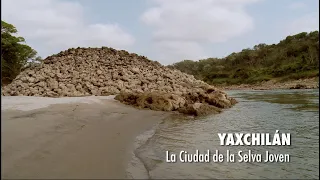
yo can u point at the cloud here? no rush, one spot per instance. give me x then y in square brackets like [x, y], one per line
[50, 26]
[306, 23]
[297, 5]
[168, 50]
[183, 26]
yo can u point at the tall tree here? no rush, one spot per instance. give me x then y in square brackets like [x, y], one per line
[15, 53]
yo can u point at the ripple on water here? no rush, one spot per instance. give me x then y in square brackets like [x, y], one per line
[293, 111]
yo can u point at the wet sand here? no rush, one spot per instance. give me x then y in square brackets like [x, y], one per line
[75, 140]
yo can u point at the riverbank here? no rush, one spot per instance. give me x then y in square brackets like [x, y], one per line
[70, 138]
[289, 111]
[311, 83]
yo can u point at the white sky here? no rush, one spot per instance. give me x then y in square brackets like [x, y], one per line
[164, 30]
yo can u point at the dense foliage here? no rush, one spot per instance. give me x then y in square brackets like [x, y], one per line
[15, 54]
[292, 58]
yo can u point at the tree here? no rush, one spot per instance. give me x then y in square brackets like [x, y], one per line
[14, 53]
[259, 46]
[297, 56]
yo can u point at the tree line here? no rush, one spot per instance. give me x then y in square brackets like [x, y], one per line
[294, 57]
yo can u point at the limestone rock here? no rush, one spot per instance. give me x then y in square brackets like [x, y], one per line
[106, 71]
[199, 109]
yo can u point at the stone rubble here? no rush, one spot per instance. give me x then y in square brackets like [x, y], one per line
[106, 71]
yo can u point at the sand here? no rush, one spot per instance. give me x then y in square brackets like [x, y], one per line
[70, 138]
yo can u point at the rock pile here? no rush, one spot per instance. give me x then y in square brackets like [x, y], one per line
[106, 71]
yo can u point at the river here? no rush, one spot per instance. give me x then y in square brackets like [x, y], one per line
[289, 111]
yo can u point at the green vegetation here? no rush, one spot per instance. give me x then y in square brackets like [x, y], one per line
[15, 54]
[295, 57]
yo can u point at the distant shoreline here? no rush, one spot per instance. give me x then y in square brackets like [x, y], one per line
[310, 83]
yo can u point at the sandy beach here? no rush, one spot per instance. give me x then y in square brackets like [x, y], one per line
[75, 138]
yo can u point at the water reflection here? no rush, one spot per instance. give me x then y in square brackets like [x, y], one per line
[294, 111]
[301, 100]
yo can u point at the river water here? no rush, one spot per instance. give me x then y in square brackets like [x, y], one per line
[289, 111]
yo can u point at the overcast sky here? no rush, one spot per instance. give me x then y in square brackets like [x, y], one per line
[164, 30]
